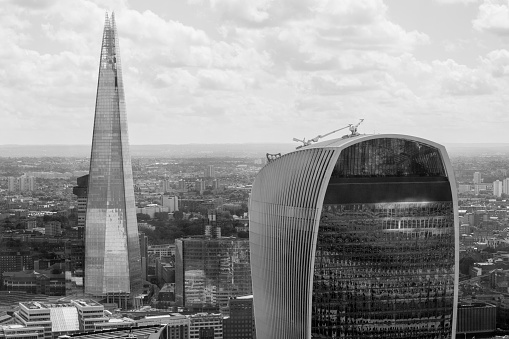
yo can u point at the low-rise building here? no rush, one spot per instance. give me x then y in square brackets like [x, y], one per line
[21, 332]
[48, 282]
[240, 322]
[206, 326]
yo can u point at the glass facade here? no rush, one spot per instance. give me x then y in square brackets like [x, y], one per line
[210, 271]
[389, 157]
[385, 253]
[112, 252]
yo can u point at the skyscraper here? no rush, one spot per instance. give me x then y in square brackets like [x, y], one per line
[112, 250]
[356, 238]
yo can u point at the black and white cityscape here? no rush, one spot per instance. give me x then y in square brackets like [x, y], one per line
[205, 214]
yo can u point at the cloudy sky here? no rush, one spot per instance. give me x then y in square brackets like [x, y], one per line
[235, 71]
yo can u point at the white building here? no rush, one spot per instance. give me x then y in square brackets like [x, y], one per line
[497, 188]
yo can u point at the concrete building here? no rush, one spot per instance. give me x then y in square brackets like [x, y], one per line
[350, 237]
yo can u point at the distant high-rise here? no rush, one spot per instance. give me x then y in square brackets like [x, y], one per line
[505, 186]
[21, 184]
[498, 188]
[477, 178]
[209, 172]
[112, 248]
[356, 238]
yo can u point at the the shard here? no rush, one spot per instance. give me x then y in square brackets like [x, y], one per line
[112, 251]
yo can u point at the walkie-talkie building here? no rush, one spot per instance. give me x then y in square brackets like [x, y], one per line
[112, 250]
[356, 238]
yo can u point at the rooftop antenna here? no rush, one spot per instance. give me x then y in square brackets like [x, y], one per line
[353, 130]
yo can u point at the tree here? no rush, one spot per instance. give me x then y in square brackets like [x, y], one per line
[178, 215]
[465, 264]
[243, 235]
[161, 216]
[142, 217]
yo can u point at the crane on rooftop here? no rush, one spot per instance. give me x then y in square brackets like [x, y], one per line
[352, 127]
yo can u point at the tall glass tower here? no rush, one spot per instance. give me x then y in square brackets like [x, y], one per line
[112, 250]
[356, 238]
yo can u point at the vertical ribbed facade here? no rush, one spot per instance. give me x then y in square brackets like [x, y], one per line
[356, 238]
[284, 214]
[112, 250]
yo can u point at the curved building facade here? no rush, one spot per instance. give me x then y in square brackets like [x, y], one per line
[356, 238]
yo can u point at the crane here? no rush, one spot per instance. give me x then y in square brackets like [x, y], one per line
[353, 130]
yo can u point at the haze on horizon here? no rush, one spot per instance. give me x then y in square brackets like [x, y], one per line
[229, 71]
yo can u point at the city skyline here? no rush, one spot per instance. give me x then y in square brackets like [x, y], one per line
[235, 72]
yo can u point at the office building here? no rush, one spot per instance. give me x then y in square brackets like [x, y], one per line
[112, 248]
[210, 271]
[356, 238]
[34, 314]
[89, 314]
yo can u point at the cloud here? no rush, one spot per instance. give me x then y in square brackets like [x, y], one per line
[497, 62]
[493, 17]
[456, 79]
[454, 2]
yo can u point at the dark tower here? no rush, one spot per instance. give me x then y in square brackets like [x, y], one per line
[112, 250]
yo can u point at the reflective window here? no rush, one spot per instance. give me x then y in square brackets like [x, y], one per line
[386, 157]
[384, 270]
